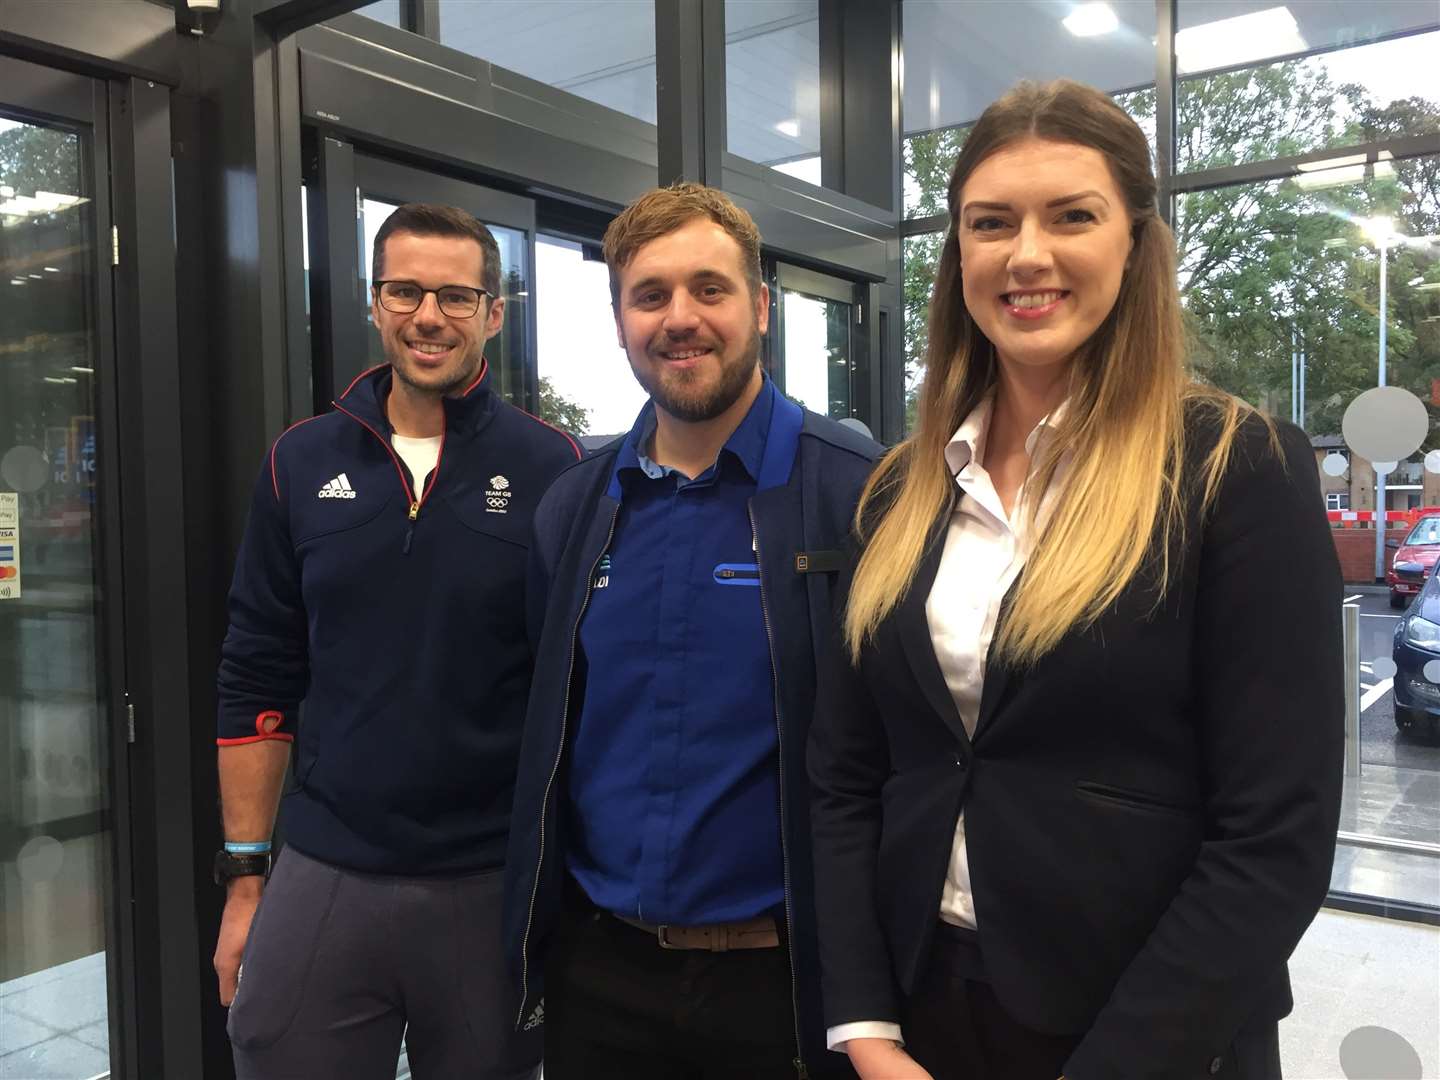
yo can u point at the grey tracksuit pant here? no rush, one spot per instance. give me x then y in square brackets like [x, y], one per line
[340, 964]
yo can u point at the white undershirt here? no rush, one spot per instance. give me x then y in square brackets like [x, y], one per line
[985, 549]
[420, 457]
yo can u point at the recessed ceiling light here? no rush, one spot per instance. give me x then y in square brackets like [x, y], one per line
[1256, 36]
[789, 127]
[1091, 20]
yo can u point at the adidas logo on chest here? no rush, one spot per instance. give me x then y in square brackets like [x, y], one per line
[339, 488]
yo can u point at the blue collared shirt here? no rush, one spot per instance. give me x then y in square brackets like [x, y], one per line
[674, 782]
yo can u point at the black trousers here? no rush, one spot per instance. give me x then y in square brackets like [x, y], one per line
[956, 1027]
[619, 1007]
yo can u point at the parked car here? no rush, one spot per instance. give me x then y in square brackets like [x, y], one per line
[1414, 560]
[1417, 643]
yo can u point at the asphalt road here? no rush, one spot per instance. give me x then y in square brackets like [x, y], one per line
[1380, 742]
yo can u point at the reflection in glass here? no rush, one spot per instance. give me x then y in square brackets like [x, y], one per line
[1004, 41]
[1281, 292]
[586, 386]
[772, 83]
[1212, 35]
[921, 259]
[817, 353]
[600, 50]
[54, 799]
[506, 350]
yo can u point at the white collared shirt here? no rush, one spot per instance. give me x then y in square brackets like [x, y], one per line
[985, 550]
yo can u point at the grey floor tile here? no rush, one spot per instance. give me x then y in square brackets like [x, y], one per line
[64, 1004]
[18, 1032]
[60, 1058]
[1353, 971]
[96, 1035]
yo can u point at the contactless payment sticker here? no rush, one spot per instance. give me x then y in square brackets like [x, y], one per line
[9, 546]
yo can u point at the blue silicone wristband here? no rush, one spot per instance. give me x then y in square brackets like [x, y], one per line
[247, 847]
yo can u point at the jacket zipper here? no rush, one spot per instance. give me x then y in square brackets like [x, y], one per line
[555, 768]
[799, 1062]
[415, 504]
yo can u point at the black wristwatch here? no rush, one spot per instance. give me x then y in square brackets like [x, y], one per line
[230, 865]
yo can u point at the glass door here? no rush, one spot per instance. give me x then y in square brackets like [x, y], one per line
[818, 359]
[58, 902]
[374, 187]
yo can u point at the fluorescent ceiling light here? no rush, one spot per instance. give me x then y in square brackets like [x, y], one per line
[1256, 36]
[84, 370]
[789, 127]
[18, 281]
[52, 269]
[1091, 20]
[1330, 173]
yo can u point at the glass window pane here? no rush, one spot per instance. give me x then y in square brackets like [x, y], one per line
[585, 382]
[1003, 42]
[1281, 287]
[54, 801]
[386, 11]
[600, 50]
[922, 257]
[816, 348]
[1376, 91]
[1214, 34]
[505, 352]
[772, 83]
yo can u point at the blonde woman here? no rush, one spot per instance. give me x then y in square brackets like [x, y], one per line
[1076, 763]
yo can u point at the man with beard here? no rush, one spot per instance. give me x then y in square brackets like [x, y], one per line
[659, 897]
[381, 579]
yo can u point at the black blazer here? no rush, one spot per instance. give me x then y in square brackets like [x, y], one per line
[1150, 810]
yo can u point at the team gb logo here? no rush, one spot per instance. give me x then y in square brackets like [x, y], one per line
[497, 498]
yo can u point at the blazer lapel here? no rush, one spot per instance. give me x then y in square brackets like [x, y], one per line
[914, 630]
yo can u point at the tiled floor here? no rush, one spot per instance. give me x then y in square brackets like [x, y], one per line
[1354, 971]
[1350, 971]
[53, 1023]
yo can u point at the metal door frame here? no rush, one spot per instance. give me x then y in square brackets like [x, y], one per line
[81, 104]
[786, 276]
[344, 173]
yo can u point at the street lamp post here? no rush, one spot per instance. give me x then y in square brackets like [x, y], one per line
[1381, 231]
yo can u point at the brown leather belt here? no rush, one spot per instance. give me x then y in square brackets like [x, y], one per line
[758, 933]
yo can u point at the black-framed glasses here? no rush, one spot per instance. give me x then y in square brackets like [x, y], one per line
[404, 297]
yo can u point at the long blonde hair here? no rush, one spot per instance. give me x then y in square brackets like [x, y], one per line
[1124, 422]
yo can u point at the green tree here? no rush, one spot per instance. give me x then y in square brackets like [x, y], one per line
[1271, 270]
[34, 158]
[559, 410]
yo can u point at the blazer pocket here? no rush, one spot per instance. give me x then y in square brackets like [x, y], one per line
[1143, 801]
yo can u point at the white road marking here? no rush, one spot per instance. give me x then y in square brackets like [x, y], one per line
[1349, 598]
[1367, 615]
[1375, 693]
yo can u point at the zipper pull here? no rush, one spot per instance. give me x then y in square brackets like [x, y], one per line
[410, 532]
[801, 1072]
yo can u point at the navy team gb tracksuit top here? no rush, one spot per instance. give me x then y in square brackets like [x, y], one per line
[394, 608]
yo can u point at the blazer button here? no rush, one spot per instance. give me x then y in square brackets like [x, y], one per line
[1215, 1066]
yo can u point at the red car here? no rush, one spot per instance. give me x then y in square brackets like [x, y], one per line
[1414, 560]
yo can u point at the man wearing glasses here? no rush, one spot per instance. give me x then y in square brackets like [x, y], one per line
[381, 580]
